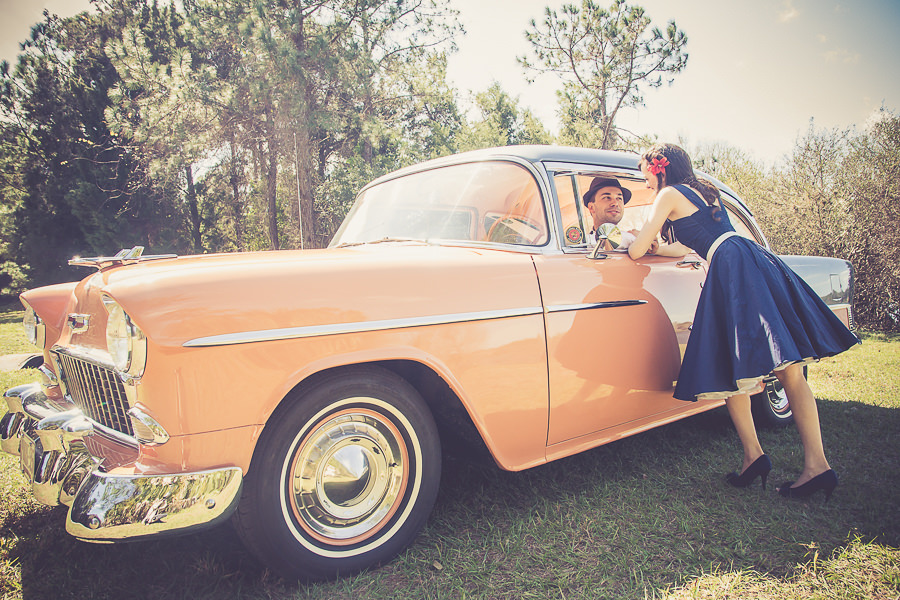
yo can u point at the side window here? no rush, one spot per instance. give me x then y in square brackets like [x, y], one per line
[577, 222]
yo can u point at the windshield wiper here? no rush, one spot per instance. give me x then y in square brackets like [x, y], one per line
[383, 240]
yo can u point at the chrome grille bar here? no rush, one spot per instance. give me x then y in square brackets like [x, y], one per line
[97, 391]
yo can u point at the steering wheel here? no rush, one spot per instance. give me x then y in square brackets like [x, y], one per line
[513, 230]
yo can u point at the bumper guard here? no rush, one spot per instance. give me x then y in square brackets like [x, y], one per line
[106, 507]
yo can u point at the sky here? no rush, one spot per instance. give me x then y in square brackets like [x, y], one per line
[758, 71]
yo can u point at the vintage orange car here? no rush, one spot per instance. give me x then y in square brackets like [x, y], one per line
[309, 395]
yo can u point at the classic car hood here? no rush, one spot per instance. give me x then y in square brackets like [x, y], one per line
[179, 300]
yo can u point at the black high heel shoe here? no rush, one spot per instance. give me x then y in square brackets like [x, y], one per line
[825, 481]
[759, 468]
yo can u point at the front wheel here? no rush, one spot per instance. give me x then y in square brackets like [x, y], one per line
[344, 477]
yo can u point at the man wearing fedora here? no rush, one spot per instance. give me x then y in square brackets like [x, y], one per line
[605, 200]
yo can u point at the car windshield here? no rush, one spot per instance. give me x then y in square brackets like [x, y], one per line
[492, 201]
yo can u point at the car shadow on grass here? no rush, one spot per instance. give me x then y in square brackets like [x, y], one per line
[632, 517]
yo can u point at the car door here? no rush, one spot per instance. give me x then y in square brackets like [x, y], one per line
[616, 328]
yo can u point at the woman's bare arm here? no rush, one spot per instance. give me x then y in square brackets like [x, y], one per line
[659, 211]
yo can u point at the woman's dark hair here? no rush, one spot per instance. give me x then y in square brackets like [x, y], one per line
[680, 170]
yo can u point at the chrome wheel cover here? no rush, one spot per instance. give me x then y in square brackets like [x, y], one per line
[778, 400]
[347, 476]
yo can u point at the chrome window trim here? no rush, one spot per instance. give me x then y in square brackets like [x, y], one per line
[287, 333]
[746, 218]
[556, 169]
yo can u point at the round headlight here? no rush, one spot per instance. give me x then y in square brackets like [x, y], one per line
[34, 328]
[124, 340]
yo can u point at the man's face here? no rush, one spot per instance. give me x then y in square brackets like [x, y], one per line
[608, 206]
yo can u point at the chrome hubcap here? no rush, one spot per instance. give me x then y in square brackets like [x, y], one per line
[348, 476]
[778, 399]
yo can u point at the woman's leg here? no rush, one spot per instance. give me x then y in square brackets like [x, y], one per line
[806, 416]
[739, 409]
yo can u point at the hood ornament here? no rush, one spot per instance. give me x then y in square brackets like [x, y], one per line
[78, 323]
[122, 257]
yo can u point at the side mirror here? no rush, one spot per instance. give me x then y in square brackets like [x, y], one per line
[599, 251]
[610, 233]
[609, 237]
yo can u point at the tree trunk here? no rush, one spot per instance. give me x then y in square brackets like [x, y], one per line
[237, 212]
[305, 170]
[271, 195]
[295, 203]
[195, 212]
[272, 180]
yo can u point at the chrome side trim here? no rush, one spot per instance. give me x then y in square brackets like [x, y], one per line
[268, 335]
[592, 305]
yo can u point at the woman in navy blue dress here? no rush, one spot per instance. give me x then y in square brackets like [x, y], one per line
[755, 317]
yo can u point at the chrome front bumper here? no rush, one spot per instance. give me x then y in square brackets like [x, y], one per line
[105, 507]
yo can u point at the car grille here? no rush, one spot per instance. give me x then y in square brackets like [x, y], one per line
[97, 391]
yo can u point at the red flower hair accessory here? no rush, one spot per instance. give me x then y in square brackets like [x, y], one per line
[658, 165]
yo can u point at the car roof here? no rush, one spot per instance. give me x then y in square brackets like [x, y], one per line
[537, 154]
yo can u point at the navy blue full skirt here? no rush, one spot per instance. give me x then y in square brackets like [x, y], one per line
[755, 314]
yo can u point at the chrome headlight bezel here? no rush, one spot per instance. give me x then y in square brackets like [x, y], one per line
[125, 342]
[35, 329]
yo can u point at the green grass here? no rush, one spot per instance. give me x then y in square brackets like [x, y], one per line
[12, 339]
[645, 517]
